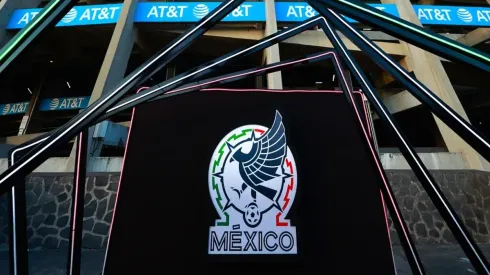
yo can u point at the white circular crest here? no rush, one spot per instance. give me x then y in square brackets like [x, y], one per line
[234, 197]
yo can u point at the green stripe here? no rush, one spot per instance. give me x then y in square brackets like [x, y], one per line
[218, 195]
[418, 30]
[226, 222]
[24, 32]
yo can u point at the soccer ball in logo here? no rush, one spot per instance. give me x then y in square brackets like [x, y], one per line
[252, 183]
[252, 215]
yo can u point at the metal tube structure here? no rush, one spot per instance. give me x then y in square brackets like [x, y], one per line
[188, 76]
[443, 206]
[50, 15]
[368, 142]
[32, 159]
[407, 243]
[74, 252]
[458, 124]
[77, 206]
[202, 84]
[112, 103]
[19, 259]
[400, 225]
[202, 70]
[409, 32]
[387, 191]
[63, 134]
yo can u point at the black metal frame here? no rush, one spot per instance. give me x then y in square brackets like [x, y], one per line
[19, 263]
[408, 32]
[54, 11]
[387, 191]
[77, 206]
[81, 121]
[111, 103]
[443, 206]
[408, 246]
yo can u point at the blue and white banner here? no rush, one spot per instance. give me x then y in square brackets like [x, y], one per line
[77, 16]
[66, 103]
[14, 108]
[455, 16]
[194, 11]
[171, 12]
[188, 12]
[300, 11]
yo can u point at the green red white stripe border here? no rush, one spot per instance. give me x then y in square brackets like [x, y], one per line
[240, 133]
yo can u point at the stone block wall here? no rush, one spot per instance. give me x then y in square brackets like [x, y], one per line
[467, 191]
[49, 207]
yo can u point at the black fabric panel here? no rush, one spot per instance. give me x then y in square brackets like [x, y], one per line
[164, 209]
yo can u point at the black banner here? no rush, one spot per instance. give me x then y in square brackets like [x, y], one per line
[236, 182]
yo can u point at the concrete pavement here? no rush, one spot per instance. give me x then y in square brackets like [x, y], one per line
[53, 262]
[443, 260]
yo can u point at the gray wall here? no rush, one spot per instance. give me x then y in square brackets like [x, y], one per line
[467, 191]
[390, 161]
[49, 207]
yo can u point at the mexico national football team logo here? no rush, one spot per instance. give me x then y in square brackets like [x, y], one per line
[252, 183]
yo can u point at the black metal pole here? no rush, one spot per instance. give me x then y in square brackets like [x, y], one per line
[443, 206]
[462, 127]
[77, 205]
[63, 134]
[49, 16]
[18, 238]
[209, 67]
[211, 82]
[183, 78]
[368, 142]
[408, 32]
[400, 225]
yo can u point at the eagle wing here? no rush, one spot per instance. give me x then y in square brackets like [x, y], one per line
[269, 156]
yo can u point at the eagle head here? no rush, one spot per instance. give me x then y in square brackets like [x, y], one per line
[239, 155]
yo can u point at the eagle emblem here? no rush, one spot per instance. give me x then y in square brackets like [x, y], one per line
[255, 176]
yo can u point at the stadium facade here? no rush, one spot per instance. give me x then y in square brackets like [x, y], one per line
[97, 43]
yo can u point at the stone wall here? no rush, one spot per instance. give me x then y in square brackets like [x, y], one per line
[467, 191]
[49, 207]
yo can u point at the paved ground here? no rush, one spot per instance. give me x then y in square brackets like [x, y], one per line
[53, 262]
[444, 260]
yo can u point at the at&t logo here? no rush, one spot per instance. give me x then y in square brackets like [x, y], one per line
[14, 108]
[6, 109]
[54, 104]
[465, 15]
[70, 16]
[200, 11]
